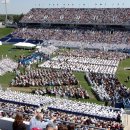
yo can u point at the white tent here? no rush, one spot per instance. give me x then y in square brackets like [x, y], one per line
[0, 42]
[24, 45]
[38, 47]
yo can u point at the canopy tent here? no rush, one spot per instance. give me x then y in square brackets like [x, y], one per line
[38, 47]
[0, 42]
[24, 45]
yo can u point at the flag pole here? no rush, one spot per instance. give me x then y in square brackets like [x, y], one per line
[6, 12]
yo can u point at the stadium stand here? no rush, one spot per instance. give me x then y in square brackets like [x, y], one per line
[102, 31]
[87, 36]
[78, 16]
[64, 110]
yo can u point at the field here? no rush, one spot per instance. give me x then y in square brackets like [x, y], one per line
[122, 73]
[5, 31]
[14, 54]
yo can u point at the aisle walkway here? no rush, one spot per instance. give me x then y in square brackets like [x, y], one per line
[126, 120]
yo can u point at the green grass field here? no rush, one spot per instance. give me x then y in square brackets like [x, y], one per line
[14, 54]
[122, 73]
[5, 31]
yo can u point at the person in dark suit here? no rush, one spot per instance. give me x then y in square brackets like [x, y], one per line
[18, 123]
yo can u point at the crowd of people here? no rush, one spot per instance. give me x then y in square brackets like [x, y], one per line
[76, 122]
[9, 110]
[80, 16]
[60, 104]
[93, 118]
[64, 91]
[63, 64]
[7, 65]
[33, 58]
[90, 45]
[107, 87]
[48, 50]
[108, 55]
[87, 60]
[57, 78]
[75, 35]
[44, 77]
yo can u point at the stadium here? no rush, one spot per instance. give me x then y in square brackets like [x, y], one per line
[66, 68]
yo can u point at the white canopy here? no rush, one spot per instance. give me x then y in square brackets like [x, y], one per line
[24, 44]
[0, 42]
[38, 47]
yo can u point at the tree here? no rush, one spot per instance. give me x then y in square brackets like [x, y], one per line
[17, 18]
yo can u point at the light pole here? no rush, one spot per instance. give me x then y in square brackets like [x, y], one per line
[5, 11]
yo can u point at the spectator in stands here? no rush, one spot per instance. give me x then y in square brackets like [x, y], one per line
[71, 127]
[51, 127]
[36, 122]
[62, 127]
[56, 109]
[75, 15]
[18, 123]
[82, 38]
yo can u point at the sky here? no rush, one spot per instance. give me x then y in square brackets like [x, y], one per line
[23, 6]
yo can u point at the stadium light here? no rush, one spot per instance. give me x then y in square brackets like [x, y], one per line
[5, 2]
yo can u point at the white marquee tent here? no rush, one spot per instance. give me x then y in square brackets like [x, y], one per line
[24, 45]
[0, 42]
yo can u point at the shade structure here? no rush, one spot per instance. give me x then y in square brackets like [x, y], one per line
[24, 45]
[38, 47]
[0, 42]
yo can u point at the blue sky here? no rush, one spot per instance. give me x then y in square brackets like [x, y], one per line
[23, 6]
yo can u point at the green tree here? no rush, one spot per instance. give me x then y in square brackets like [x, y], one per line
[17, 18]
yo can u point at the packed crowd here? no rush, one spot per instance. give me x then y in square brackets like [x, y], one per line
[80, 16]
[108, 55]
[78, 122]
[44, 77]
[9, 110]
[87, 60]
[48, 50]
[107, 87]
[60, 104]
[90, 45]
[7, 65]
[76, 35]
[94, 113]
[79, 66]
[64, 91]
[33, 58]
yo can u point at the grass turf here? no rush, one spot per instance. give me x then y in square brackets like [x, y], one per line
[82, 81]
[5, 31]
[13, 54]
[122, 73]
